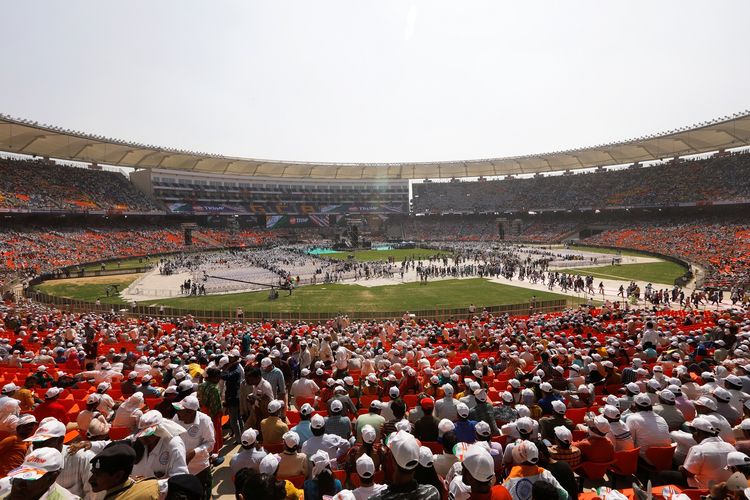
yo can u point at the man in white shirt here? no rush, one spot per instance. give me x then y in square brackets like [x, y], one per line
[199, 439]
[250, 454]
[164, 453]
[304, 387]
[446, 407]
[647, 428]
[334, 445]
[106, 374]
[366, 472]
[705, 464]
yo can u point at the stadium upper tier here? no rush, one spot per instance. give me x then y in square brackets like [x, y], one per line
[722, 179]
[30, 138]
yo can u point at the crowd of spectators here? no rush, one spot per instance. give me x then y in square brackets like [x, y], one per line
[40, 185]
[487, 407]
[705, 181]
[38, 250]
[721, 248]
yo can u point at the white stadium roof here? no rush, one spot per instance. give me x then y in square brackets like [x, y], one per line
[30, 138]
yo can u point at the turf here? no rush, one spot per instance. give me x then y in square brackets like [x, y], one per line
[656, 272]
[124, 264]
[333, 298]
[399, 254]
[88, 289]
[630, 253]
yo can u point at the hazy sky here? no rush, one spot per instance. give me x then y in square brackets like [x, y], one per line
[375, 81]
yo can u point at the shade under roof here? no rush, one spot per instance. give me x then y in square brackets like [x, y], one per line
[29, 138]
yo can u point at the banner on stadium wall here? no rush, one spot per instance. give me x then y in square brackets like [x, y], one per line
[195, 208]
[278, 221]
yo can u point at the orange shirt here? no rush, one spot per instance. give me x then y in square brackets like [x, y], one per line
[13, 450]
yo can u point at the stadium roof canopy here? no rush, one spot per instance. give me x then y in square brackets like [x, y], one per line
[30, 138]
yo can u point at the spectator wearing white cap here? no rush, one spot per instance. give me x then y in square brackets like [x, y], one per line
[106, 403]
[596, 447]
[250, 454]
[369, 446]
[129, 412]
[525, 472]
[105, 374]
[548, 423]
[372, 418]
[667, 410]
[332, 444]
[563, 450]
[303, 426]
[733, 384]
[36, 477]
[724, 406]
[291, 461]
[483, 411]
[682, 403]
[405, 452]
[706, 462]
[365, 468]
[340, 394]
[269, 466]
[233, 374]
[304, 387]
[742, 431]
[706, 407]
[198, 438]
[272, 428]
[164, 452]
[646, 427]
[338, 423]
[465, 428]
[738, 462]
[322, 481]
[255, 394]
[275, 377]
[445, 407]
[13, 448]
[51, 407]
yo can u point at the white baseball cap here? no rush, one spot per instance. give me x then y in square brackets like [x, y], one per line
[462, 410]
[291, 439]
[703, 424]
[38, 463]
[336, 406]
[49, 428]
[642, 400]
[188, 403]
[479, 463]
[9, 388]
[52, 392]
[601, 424]
[368, 434]
[667, 395]
[306, 409]
[563, 434]
[365, 466]
[269, 464]
[611, 411]
[706, 402]
[317, 422]
[426, 457]
[545, 387]
[394, 392]
[525, 451]
[482, 428]
[559, 407]
[525, 425]
[405, 449]
[737, 458]
[249, 437]
[275, 405]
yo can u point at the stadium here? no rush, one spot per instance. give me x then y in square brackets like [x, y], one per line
[182, 324]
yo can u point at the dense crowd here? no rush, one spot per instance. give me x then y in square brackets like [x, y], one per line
[38, 250]
[716, 179]
[722, 248]
[480, 408]
[38, 185]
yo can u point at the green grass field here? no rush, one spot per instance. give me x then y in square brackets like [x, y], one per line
[630, 253]
[397, 253]
[125, 264]
[88, 289]
[333, 298]
[656, 272]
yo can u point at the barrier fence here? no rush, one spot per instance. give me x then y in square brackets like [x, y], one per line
[230, 314]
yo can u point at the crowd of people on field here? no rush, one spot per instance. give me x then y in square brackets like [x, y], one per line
[103, 406]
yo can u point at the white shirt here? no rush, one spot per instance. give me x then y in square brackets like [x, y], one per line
[105, 405]
[620, 436]
[684, 441]
[446, 408]
[304, 388]
[199, 438]
[74, 476]
[725, 430]
[365, 492]
[706, 460]
[167, 459]
[247, 459]
[648, 429]
[263, 388]
[332, 444]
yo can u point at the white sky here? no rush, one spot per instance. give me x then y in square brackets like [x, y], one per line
[374, 81]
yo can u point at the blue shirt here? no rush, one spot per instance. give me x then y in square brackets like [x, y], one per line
[303, 430]
[276, 379]
[313, 493]
[233, 378]
[465, 431]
